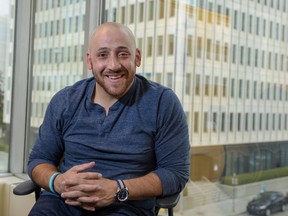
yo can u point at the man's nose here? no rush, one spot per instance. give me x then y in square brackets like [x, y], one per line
[114, 63]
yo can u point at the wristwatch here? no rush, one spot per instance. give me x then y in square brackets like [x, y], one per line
[122, 191]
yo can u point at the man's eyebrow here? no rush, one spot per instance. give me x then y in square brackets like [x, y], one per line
[123, 48]
[120, 48]
[103, 49]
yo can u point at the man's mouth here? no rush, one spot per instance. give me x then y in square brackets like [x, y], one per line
[114, 77]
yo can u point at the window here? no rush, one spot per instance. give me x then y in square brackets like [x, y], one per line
[224, 87]
[141, 12]
[246, 121]
[235, 23]
[234, 51]
[228, 18]
[207, 85]
[264, 27]
[219, 14]
[63, 63]
[232, 88]
[226, 52]
[208, 49]
[161, 8]
[242, 56]
[239, 122]
[149, 47]
[223, 116]
[197, 85]
[131, 20]
[214, 122]
[188, 84]
[240, 88]
[243, 22]
[196, 122]
[215, 89]
[189, 45]
[256, 58]
[172, 8]
[151, 10]
[217, 51]
[254, 121]
[7, 19]
[210, 12]
[255, 90]
[123, 15]
[170, 44]
[226, 61]
[249, 56]
[199, 47]
[205, 122]
[169, 82]
[250, 24]
[231, 122]
[160, 45]
[257, 25]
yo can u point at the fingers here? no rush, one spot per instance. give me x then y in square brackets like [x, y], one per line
[83, 167]
[77, 175]
[81, 179]
[83, 188]
[75, 202]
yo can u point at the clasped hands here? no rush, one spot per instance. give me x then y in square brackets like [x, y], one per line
[87, 190]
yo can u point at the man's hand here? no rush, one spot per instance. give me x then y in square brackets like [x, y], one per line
[85, 189]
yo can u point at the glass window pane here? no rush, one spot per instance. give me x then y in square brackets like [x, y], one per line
[7, 18]
[57, 55]
[229, 84]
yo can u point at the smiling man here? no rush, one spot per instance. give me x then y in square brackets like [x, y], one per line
[113, 61]
[122, 140]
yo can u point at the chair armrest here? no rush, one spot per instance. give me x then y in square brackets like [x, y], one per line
[168, 201]
[25, 188]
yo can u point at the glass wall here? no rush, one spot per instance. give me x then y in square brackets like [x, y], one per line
[7, 13]
[226, 60]
[58, 52]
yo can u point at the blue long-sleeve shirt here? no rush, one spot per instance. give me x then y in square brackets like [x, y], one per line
[144, 131]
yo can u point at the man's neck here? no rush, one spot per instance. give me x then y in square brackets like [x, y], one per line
[103, 98]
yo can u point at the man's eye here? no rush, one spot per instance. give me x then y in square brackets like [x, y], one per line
[101, 55]
[123, 54]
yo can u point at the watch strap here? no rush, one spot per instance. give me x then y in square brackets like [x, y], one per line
[122, 191]
[119, 181]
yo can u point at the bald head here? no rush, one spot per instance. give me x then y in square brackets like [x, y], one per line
[112, 29]
[113, 58]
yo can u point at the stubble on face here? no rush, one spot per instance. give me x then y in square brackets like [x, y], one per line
[115, 72]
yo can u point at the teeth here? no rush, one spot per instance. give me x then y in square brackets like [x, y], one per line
[114, 76]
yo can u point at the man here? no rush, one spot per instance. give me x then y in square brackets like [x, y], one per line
[122, 140]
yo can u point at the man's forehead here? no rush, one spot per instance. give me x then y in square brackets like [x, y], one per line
[111, 34]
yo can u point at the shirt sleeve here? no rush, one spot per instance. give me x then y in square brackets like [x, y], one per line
[172, 145]
[48, 147]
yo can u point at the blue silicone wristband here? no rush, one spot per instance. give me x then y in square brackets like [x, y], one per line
[51, 181]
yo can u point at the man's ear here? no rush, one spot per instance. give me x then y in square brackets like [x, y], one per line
[138, 57]
[89, 61]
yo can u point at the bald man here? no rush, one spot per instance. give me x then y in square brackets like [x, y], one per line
[110, 144]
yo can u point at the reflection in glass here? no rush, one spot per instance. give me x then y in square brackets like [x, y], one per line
[234, 54]
[7, 14]
[57, 54]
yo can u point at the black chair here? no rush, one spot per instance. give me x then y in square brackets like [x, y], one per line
[29, 186]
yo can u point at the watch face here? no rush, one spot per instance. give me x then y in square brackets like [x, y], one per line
[122, 194]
